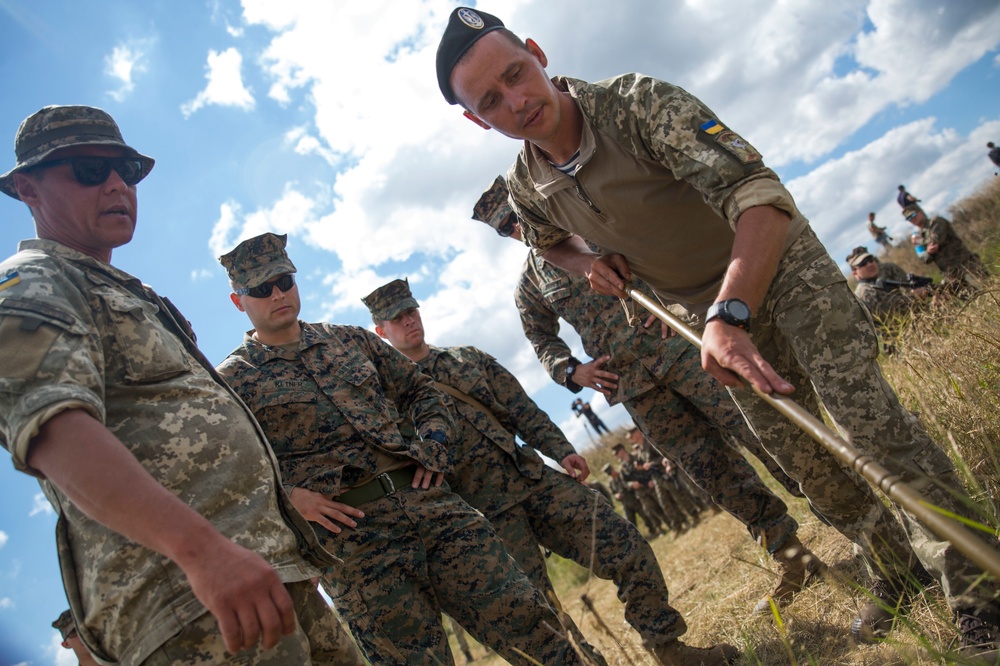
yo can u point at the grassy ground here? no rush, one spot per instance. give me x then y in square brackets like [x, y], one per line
[946, 369]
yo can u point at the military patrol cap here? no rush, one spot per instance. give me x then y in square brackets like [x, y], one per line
[858, 255]
[493, 208]
[64, 623]
[465, 27]
[256, 260]
[607, 469]
[912, 208]
[389, 300]
[54, 127]
[618, 446]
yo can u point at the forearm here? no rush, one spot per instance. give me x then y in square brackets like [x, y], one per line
[757, 248]
[102, 478]
[572, 255]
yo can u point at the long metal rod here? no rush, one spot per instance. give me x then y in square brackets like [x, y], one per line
[890, 484]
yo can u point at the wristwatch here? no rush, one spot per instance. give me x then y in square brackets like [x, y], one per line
[571, 367]
[732, 311]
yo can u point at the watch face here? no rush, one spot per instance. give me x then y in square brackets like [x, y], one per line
[738, 309]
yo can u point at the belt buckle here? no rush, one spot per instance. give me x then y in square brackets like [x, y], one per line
[388, 487]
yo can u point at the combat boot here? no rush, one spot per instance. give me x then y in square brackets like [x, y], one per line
[887, 601]
[979, 633]
[796, 565]
[676, 653]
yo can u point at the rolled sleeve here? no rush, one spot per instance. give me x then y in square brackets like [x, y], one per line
[760, 191]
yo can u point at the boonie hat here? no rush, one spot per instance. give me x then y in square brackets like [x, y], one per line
[465, 26]
[492, 207]
[54, 127]
[256, 260]
[65, 625]
[386, 302]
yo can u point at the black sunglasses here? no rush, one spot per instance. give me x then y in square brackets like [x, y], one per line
[866, 262]
[283, 283]
[911, 216]
[507, 228]
[92, 171]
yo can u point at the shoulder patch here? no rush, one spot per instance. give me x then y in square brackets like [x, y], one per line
[739, 147]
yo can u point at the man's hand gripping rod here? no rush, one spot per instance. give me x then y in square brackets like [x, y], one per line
[872, 471]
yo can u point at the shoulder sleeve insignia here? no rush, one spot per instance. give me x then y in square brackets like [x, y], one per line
[736, 145]
[10, 280]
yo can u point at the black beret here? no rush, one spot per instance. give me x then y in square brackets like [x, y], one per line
[465, 26]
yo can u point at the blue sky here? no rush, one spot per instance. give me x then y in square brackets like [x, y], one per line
[323, 120]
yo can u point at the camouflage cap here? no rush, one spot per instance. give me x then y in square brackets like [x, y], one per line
[493, 207]
[912, 208]
[465, 26]
[256, 260]
[55, 127]
[389, 300]
[617, 446]
[64, 623]
[856, 260]
[607, 469]
[857, 252]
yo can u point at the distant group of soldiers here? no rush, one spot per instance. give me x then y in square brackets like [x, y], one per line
[888, 291]
[651, 487]
[198, 505]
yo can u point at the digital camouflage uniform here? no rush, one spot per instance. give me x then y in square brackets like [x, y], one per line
[677, 405]
[678, 503]
[633, 473]
[81, 334]
[884, 304]
[630, 503]
[529, 503]
[330, 405]
[956, 261]
[810, 327]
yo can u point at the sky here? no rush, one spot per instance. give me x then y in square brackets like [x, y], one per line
[323, 120]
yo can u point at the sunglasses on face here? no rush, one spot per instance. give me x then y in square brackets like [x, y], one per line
[93, 171]
[910, 216]
[283, 283]
[866, 262]
[507, 228]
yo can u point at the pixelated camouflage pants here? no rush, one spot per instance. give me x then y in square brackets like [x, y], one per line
[676, 502]
[684, 417]
[816, 335]
[318, 639]
[418, 553]
[562, 516]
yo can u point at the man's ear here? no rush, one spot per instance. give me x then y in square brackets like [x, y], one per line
[26, 189]
[476, 119]
[237, 301]
[536, 50]
[380, 330]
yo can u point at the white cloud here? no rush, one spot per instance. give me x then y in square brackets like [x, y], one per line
[41, 505]
[61, 656]
[201, 274]
[6, 603]
[225, 84]
[4, 538]
[124, 62]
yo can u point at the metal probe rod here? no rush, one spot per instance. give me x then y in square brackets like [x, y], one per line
[890, 484]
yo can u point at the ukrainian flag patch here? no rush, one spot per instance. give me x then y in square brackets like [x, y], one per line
[712, 127]
[9, 280]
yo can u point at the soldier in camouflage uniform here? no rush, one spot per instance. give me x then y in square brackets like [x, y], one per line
[71, 640]
[630, 503]
[671, 493]
[960, 268]
[649, 175]
[885, 305]
[329, 397]
[529, 503]
[662, 386]
[640, 482]
[170, 513]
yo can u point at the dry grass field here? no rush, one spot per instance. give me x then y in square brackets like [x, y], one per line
[946, 368]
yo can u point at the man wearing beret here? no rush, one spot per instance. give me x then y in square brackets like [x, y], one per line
[329, 398]
[651, 177]
[174, 536]
[961, 268]
[528, 502]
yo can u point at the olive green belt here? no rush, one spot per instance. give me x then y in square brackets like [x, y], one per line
[384, 484]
